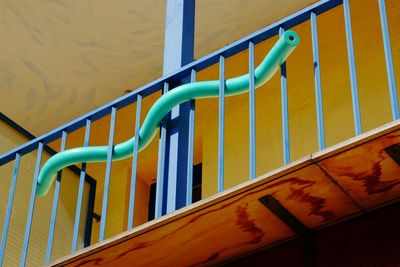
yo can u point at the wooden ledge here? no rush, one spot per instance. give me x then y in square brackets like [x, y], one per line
[324, 188]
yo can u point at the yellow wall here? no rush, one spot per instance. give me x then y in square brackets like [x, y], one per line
[373, 92]
[9, 139]
[374, 101]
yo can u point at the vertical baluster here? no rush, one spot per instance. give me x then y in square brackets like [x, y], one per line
[160, 166]
[108, 174]
[189, 182]
[352, 68]
[31, 206]
[221, 124]
[80, 192]
[9, 208]
[389, 61]
[134, 163]
[252, 112]
[317, 82]
[55, 205]
[285, 111]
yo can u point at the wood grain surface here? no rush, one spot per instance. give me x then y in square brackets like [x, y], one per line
[319, 190]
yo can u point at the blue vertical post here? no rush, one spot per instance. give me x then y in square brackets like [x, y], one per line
[178, 51]
[221, 124]
[159, 211]
[80, 192]
[285, 111]
[189, 179]
[55, 205]
[31, 206]
[317, 82]
[252, 112]
[9, 208]
[389, 61]
[352, 68]
[134, 163]
[108, 175]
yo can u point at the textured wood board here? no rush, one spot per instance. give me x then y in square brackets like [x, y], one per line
[229, 228]
[318, 190]
[367, 172]
[232, 227]
[312, 197]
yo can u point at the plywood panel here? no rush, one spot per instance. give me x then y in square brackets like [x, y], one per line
[319, 190]
[312, 197]
[232, 227]
[215, 234]
[367, 172]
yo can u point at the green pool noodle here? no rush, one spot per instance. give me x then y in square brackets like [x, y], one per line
[285, 45]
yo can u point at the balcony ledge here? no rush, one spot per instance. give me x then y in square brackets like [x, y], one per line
[322, 189]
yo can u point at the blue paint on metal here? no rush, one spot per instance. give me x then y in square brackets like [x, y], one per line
[252, 112]
[221, 124]
[389, 62]
[31, 206]
[285, 112]
[171, 166]
[352, 68]
[160, 166]
[178, 51]
[90, 180]
[108, 174]
[179, 35]
[189, 182]
[80, 193]
[134, 164]
[317, 82]
[9, 209]
[154, 86]
[55, 205]
[46, 148]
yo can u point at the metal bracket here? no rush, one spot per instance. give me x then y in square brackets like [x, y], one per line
[97, 217]
[305, 234]
[394, 152]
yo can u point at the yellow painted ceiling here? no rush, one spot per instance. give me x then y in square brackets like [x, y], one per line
[62, 58]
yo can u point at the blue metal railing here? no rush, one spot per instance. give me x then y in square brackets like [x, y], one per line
[221, 123]
[309, 13]
[317, 81]
[55, 205]
[134, 163]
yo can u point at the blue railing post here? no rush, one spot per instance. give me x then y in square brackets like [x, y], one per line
[178, 51]
[55, 205]
[31, 206]
[132, 193]
[389, 61]
[104, 206]
[317, 82]
[160, 186]
[9, 209]
[252, 112]
[80, 192]
[189, 180]
[352, 68]
[221, 124]
[285, 111]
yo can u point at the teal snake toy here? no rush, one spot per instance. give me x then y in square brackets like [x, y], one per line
[268, 67]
